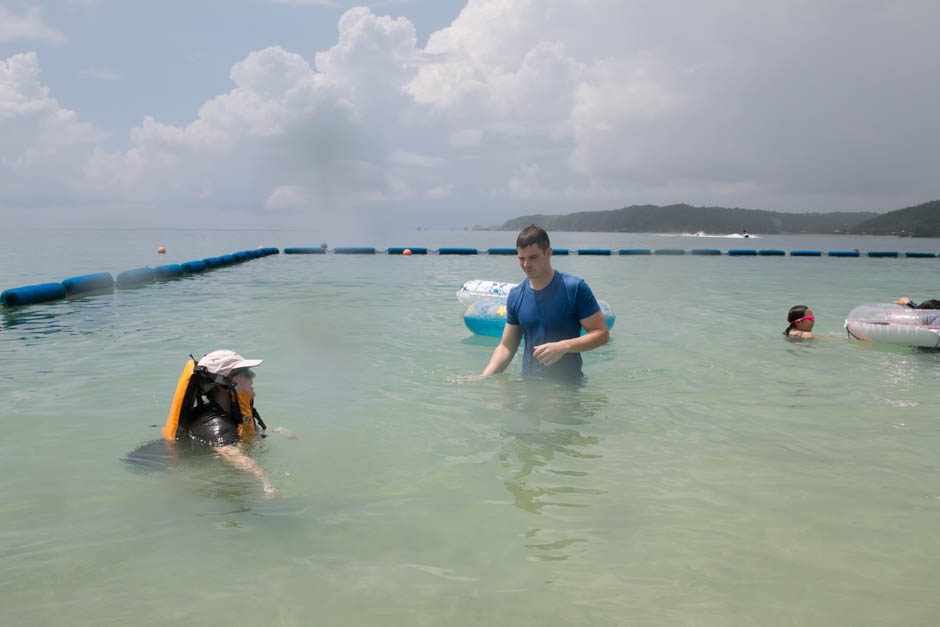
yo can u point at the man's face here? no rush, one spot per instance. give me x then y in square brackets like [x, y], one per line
[535, 262]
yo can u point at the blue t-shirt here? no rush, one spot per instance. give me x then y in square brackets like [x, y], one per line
[551, 314]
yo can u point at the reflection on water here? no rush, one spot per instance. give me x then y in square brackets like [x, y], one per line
[201, 466]
[151, 456]
[550, 454]
[79, 316]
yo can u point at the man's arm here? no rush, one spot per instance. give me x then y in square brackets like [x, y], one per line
[596, 334]
[508, 345]
[234, 456]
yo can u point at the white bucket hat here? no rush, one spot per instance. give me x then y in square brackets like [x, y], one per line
[224, 362]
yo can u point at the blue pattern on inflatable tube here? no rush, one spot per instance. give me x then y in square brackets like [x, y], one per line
[135, 278]
[488, 316]
[86, 283]
[32, 294]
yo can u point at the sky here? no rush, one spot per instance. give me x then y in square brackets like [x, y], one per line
[450, 113]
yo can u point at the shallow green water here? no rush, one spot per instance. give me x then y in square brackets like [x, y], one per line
[709, 473]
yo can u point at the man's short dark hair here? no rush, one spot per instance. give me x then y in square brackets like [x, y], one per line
[533, 234]
[929, 304]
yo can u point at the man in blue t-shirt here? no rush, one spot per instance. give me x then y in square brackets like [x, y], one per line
[549, 309]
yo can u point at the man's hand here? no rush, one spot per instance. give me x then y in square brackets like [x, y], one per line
[290, 434]
[547, 354]
[470, 378]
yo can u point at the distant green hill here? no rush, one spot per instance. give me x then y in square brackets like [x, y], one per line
[918, 221]
[687, 219]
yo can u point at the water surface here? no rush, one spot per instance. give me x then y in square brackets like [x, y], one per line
[708, 473]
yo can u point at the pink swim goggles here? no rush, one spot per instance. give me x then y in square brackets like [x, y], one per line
[799, 320]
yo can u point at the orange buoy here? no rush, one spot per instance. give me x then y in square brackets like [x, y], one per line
[260, 247]
[406, 252]
[161, 250]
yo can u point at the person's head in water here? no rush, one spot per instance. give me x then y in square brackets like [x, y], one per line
[227, 369]
[800, 319]
[535, 253]
[929, 304]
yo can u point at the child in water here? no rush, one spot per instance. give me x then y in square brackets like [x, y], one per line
[801, 321]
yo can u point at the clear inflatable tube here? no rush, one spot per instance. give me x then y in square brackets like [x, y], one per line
[476, 289]
[895, 324]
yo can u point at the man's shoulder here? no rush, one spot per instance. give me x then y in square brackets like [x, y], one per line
[516, 290]
[571, 281]
[206, 412]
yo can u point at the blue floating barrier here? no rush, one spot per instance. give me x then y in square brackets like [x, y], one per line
[213, 262]
[240, 256]
[844, 253]
[304, 251]
[742, 252]
[503, 251]
[635, 251]
[458, 251]
[86, 283]
[669, 251]
[192, 267]
[805, 253]
[354, 250]
[134, 278]
[883, 253]
[32, 294]
[227, 260]
[272, 251]
[414, 251]
[171, 271]
[559, 251]
[706, 251]
[919, 255]
[770, 252]
[593, 251]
